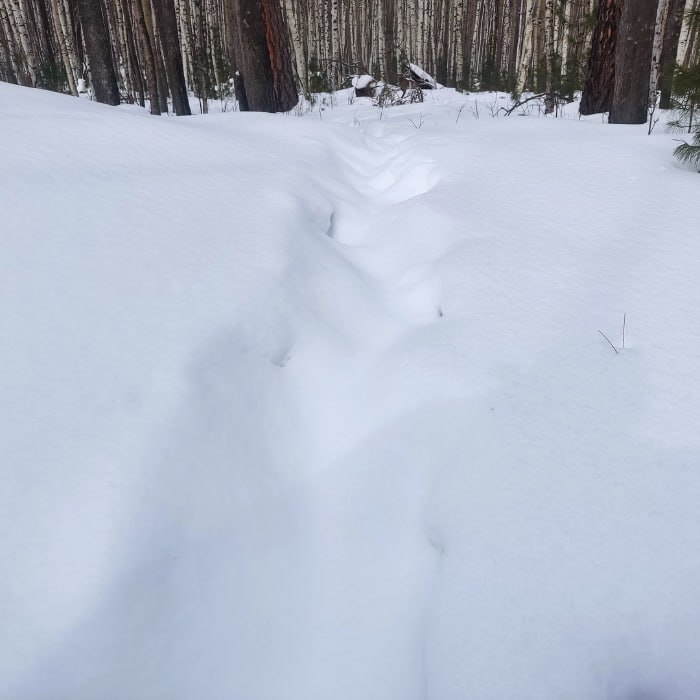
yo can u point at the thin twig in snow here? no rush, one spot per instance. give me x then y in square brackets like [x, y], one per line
[609, 341]
[419, 124]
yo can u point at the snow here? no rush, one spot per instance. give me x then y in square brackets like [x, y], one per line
[319, 407]
[360, 82]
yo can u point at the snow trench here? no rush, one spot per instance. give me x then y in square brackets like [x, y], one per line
[244, 514]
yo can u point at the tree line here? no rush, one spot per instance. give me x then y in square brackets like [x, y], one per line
[155, 52]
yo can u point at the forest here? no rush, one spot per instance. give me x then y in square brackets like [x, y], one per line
[156, 51]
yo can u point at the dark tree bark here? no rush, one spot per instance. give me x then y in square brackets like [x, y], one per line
[93, 23]
[147, 51]
[264, 56]
[38, 19]
[389, 23]
[6, 72]
[600, 81]
[635, 45]
[134, 75]
[167, 29]
[669, 51]
[240, 93]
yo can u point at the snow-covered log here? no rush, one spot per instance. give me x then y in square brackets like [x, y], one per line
[423, 80]
[364, 85]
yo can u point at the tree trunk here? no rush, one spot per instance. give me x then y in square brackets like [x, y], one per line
[65, 46]
[600, 82]
[147, 51]
[662, 16]
[167, 28]
[549, 52]
[526, 53]
[691, 48]
[14, 52]
[7, 70]
[669, 50]
[635, 44]
[264, 56]
[22, 32]
[97, 47]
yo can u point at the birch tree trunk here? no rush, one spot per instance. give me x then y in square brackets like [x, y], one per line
[662, 15]
[68, 36]
[22, 32]
[17, 64]
[690, 41]
[7, 68]
[65, 45]
[550, 47]
[526, 53]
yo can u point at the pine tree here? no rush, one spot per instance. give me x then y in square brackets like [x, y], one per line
[600, 81]
[689, 152]
[264, 56]
[686, 102]
[686, 98]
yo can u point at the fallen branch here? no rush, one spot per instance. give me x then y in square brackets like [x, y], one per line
[542, 95]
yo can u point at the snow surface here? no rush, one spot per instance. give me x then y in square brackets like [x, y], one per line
[310, 408]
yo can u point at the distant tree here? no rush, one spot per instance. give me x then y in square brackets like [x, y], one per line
[672, 33]
[600, 80]
[166, 22]
[164, 48]
[690, 40]
[65, 43]
[95, 31]
[8, 68]
[148, 51]
[633, 55]
[263, 56]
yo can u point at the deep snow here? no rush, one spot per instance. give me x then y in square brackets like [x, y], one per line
[309, 408]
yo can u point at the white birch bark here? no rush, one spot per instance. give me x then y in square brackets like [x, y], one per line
[12, 42]
[661, 19]
[68, 38]
[526, 52]
[565, 33]
[459, 41]
[550, 45]
[20, 22]
[685, 47]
